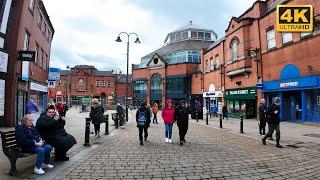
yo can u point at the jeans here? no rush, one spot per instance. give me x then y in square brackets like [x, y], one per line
[168, 131]
[43, 155]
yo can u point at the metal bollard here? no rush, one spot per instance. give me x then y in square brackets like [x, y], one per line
[241, 123]
[117, 121]
[87, 132]
[197, 116]
[106, 132]
[207, 122]
[220, 120]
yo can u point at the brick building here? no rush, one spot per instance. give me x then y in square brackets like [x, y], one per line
[82, 83]
[167, 72]
[253, 53]
[31, 30]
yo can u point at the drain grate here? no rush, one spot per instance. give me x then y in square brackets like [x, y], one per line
[313, 135]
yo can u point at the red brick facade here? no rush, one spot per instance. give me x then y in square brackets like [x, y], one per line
[249, 31]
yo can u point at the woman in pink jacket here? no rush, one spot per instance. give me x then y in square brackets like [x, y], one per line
[168, 118]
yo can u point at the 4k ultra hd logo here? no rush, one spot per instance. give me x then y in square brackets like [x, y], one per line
[294, 18]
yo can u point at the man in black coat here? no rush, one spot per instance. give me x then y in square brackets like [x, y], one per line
[181, 116]
[51, 128]
[273, 116]
[143, 119]
[262, 117]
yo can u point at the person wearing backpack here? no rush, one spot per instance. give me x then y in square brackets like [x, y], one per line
[273, 118]
[168, 118]
[143, 121]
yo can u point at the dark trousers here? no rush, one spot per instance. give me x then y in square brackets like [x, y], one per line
[225, 116]
[59, 154]
[96, 128]
[141, 129]
[155, 120]
[271, 128]
[262, 127]
[183, 131]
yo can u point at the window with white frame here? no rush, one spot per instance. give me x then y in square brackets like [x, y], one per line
[41, 58]
[45, 62]
[212, 64]
[26, 41]
[103, 83]
[286, 37]
[31, 5]
[234, 49]
[81, 82]
[109, 84]
[97, 83]
[37, 53]
[217, 64]
[271, 38]
[207, 66]
[40, 21]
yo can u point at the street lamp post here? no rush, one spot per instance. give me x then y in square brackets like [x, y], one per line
[127, 83]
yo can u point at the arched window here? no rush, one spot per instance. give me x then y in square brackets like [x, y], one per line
[234, 49]
[81, 82]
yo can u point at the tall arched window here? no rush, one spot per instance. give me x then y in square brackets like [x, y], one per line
[81, 82]
[234, 49]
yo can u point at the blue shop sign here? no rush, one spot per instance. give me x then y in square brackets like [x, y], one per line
[291, 84]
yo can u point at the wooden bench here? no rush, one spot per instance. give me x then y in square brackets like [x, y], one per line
[12, 151]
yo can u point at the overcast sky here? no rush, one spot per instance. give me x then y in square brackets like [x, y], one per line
[85, 31]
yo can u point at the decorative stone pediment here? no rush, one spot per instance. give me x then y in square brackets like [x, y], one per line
[80, 73]
[157, 61]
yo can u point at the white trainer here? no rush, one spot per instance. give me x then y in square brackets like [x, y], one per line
[48, 166]
[170, 141]
[167, 140]
[38, 171]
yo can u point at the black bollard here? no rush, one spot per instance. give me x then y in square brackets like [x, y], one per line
[197, 116]
[220, 120]
[241, 123]
[117, 121]
[87, 132]
[207, 122]
[106, 132]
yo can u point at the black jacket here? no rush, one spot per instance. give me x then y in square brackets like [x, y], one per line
[53, 133]
[148, 115]
[181, 115]
[262, 112]
[96, 114]
[272, 117]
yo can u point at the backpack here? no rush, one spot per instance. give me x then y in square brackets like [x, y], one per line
[142, 118]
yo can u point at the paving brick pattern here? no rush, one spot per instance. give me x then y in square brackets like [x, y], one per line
[208, 154]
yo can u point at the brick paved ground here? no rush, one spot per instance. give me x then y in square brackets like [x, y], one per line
[209, 154]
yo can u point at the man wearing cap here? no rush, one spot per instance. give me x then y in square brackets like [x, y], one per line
[273, 116]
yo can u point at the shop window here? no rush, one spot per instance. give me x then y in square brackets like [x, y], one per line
[304, 34]
[286, 37]
[271, 38]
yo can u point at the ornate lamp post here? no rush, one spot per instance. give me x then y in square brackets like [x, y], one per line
[136, 41]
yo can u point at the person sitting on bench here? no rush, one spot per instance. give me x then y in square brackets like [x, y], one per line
[30, 141]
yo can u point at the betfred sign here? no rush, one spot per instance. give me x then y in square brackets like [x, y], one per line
[27, 56]
[294, 18]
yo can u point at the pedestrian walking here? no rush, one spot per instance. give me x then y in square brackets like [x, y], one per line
[155, 109]
[262, 117]
[30, 141]
[143, 119]
[273, 118]
[181, 116]
[224, 112]
[168, 118]
[96, 115]
[214, 110]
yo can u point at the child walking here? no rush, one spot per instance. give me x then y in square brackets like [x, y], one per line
[168, 118]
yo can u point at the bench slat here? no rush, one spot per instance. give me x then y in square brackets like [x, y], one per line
[11, 142]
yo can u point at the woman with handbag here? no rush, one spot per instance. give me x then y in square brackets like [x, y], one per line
[96, 115]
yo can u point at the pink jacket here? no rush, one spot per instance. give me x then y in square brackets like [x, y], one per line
[168, 114]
